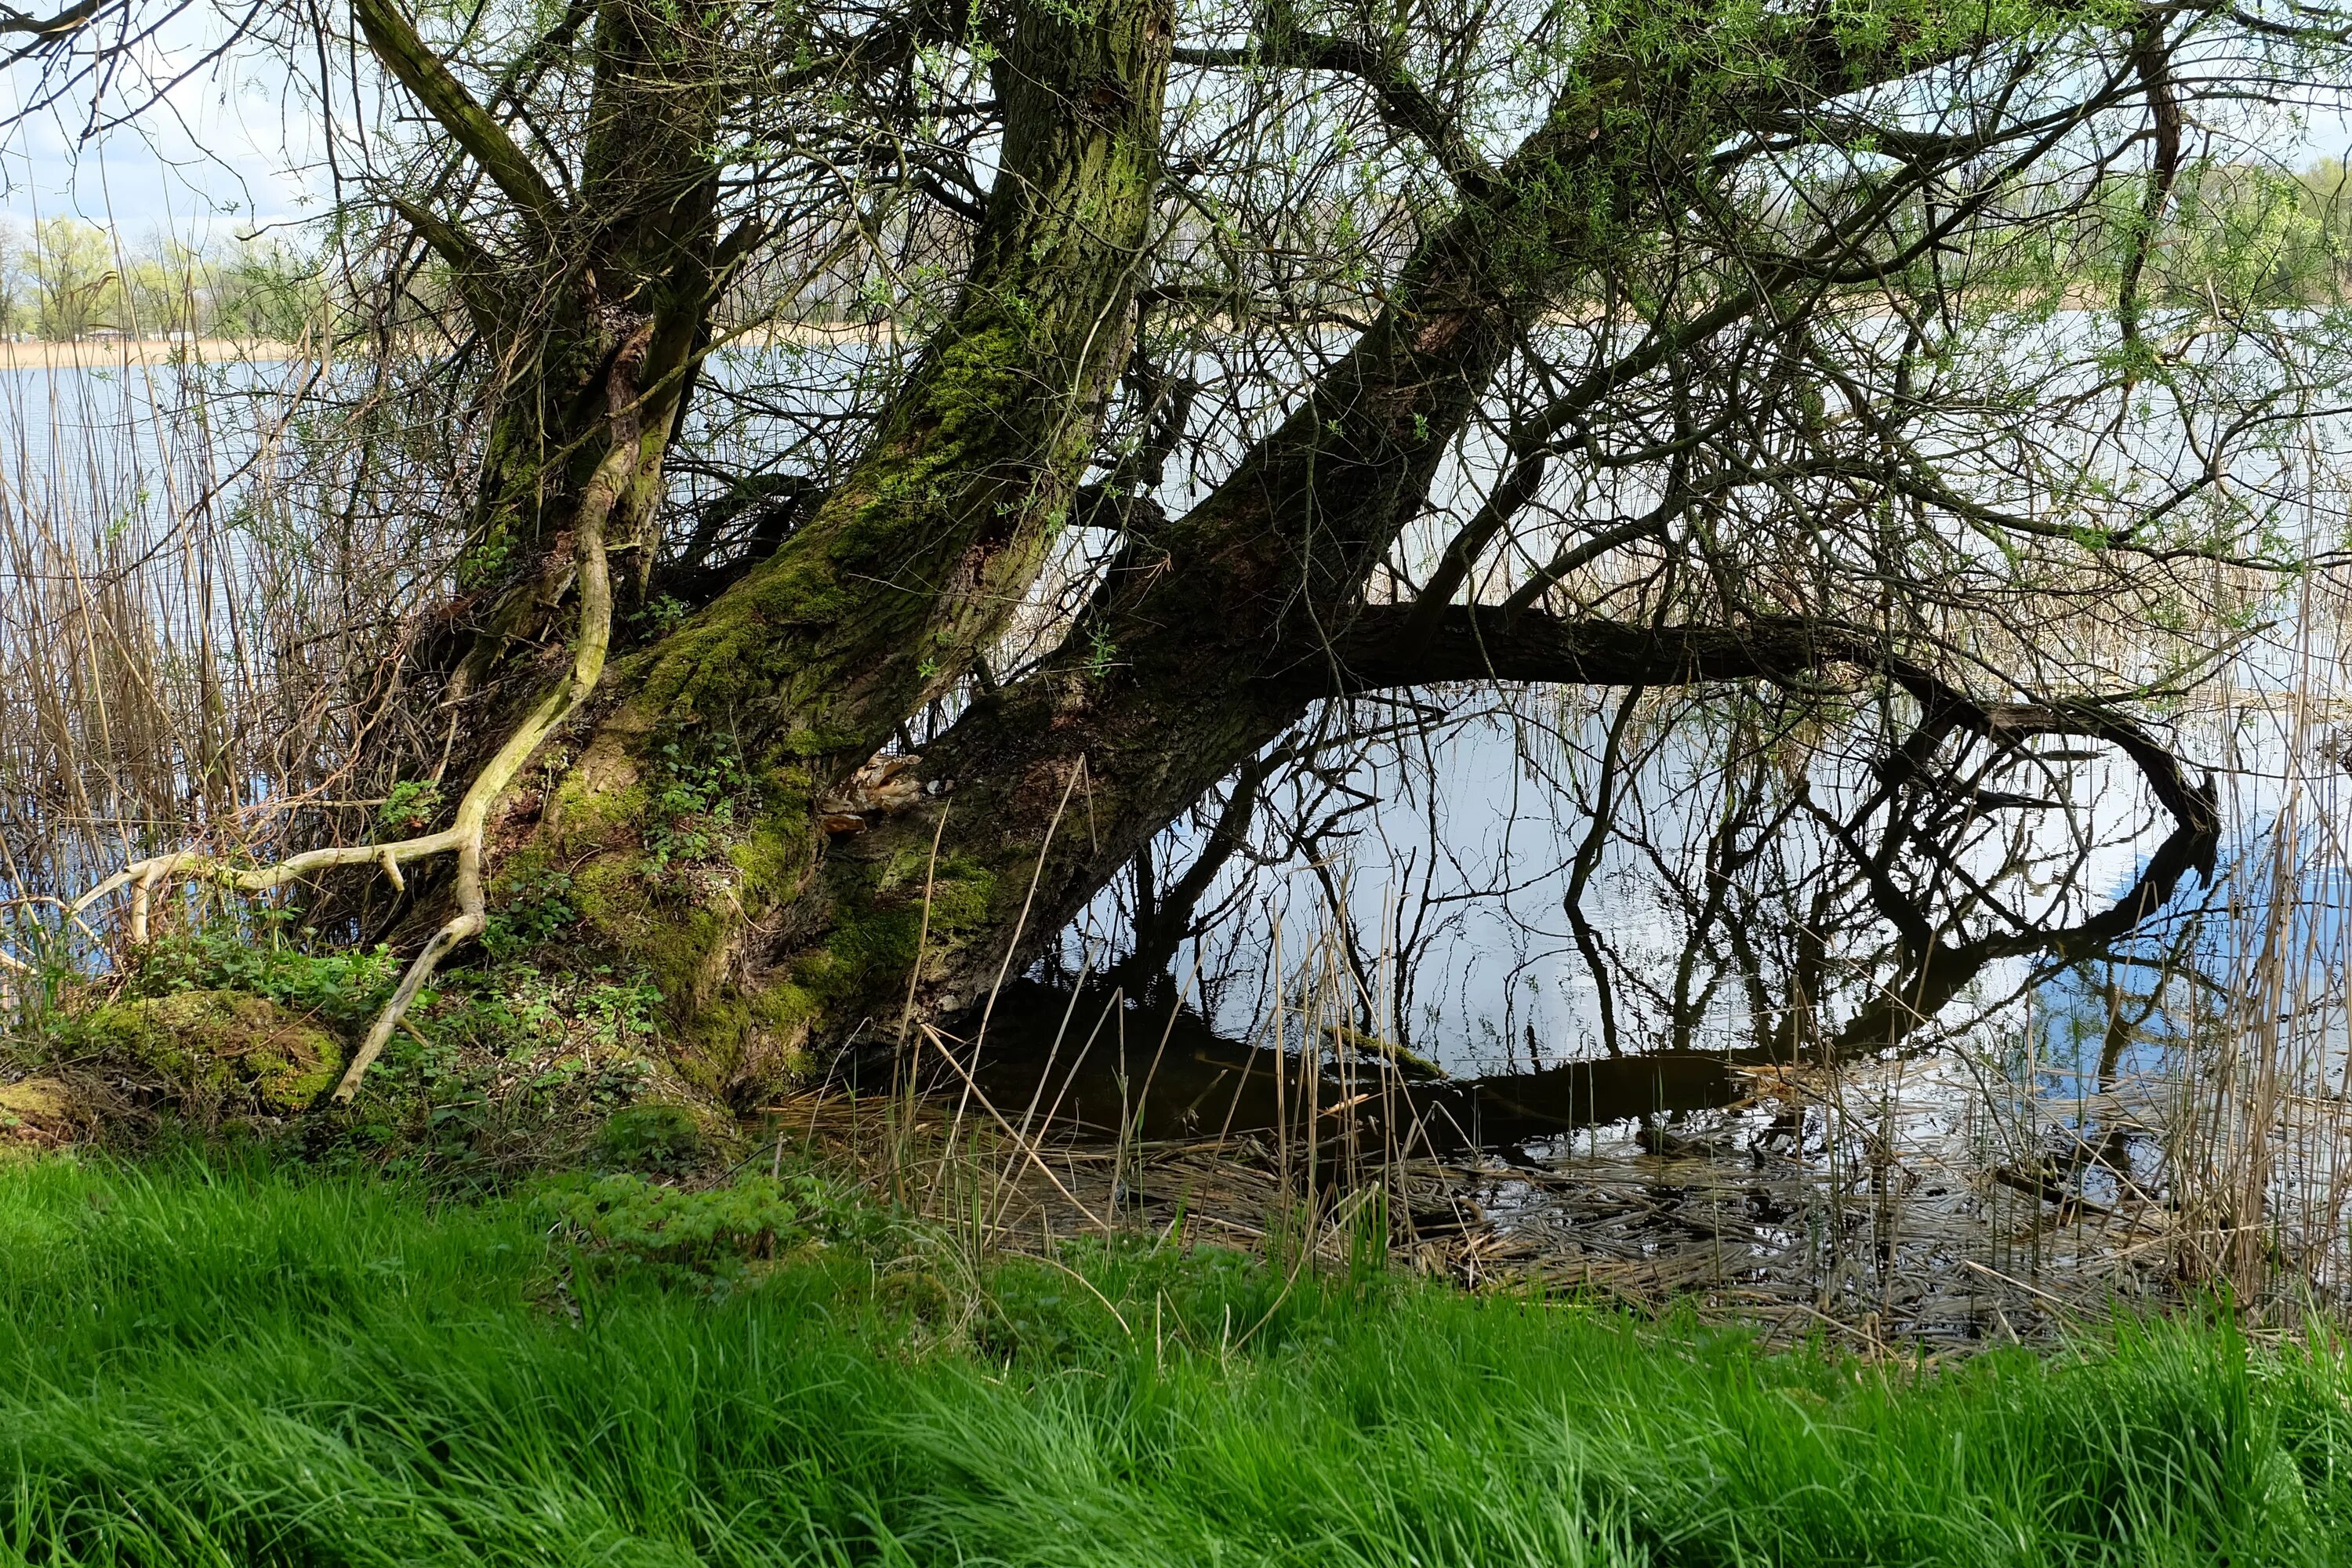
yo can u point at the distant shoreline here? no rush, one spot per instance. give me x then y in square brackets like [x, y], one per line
[96, 353]
[107, 354]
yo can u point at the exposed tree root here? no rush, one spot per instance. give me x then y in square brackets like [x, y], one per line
[465, 834]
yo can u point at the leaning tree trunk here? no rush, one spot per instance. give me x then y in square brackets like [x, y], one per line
[783, 687]
[1215, 632]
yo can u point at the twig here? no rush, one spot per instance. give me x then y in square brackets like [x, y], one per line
[1044, 1170]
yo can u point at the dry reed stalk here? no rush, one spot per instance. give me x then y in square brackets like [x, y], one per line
[1020, 928]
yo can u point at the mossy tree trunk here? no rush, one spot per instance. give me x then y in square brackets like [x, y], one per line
[1210, 635]
[595, 304]
[909, 568]
[590, 310]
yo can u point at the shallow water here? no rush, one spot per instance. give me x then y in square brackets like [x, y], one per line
[1727, 1009]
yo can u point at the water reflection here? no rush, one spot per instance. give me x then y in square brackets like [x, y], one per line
[1090, 1057]
[1558, 878]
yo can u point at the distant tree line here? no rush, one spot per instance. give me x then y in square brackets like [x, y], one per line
[2250, 236]
[62, 279]
[2257, 237]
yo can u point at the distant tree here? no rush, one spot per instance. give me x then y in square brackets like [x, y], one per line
[15, 315]
[161, 287]
[262, 290]
[2327, 202]
[75, 288]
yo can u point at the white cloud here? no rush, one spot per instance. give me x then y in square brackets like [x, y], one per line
[230, 149]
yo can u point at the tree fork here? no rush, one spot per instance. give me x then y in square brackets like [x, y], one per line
[910, 566]
[640, 240]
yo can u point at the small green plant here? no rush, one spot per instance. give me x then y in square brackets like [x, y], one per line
[409, 808]
[660, 616]
[1100, 652]
[341, 985]
[618, 1014]
[511, 1009]
[694, 804]
[709, 1234]
[532, 909]
[485, 561]
[653, 1136]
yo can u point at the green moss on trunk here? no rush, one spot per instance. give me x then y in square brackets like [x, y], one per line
[885, 596]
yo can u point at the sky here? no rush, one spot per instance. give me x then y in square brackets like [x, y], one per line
[230, 152]
[233, 151]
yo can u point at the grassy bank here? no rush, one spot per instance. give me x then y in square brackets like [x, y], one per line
[198, 1367]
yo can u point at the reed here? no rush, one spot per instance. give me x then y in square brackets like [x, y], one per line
[180, 653]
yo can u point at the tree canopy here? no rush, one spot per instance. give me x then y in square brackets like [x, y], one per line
[879, 467]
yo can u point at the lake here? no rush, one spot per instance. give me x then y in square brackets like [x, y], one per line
[1694, 1042]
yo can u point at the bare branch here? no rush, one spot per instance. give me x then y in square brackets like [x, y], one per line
[1404, 104]
[1480, 644]
[395, 42]
[72, 19]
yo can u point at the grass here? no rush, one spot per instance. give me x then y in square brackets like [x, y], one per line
[201, 1365]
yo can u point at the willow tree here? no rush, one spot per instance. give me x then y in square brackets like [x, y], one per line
[1197, 371]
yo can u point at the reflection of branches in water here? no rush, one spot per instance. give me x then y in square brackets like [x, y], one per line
[1846, 859]
[1603, 816]
[1165, 919]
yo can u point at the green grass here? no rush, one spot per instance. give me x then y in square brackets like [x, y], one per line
[207, 1367]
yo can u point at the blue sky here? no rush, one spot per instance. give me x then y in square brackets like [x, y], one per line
[229, 151]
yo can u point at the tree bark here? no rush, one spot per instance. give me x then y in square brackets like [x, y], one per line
[886, 594]
[591, 304]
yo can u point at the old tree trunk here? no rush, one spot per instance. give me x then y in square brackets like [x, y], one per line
[727, 789]
[784, 685]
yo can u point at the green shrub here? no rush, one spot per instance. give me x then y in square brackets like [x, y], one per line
[529, 909]
[409, 808]
[655, 1136]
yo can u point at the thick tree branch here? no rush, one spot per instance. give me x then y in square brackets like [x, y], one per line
[72, 19]
[2152, 58]
[1380, 650]
[1404, 104]
[395, 43]
[471, 268]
